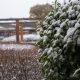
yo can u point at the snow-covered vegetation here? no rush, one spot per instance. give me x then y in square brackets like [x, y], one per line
[19, 64]
[15, 47]
[28, 37]
[60, 43]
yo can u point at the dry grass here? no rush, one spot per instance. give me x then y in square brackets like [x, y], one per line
[20, 65]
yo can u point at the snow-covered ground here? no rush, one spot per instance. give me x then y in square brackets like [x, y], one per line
[28, 37]
[15, 46]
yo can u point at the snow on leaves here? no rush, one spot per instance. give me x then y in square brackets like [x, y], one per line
[62, 38]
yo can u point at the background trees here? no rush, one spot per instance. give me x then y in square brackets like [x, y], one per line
[40, 11]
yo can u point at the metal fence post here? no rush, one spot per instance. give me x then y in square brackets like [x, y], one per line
[17, 31]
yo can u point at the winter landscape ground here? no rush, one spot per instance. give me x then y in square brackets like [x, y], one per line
[19, 62]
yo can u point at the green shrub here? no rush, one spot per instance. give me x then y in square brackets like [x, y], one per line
[60, 43]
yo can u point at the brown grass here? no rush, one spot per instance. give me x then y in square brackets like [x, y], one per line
[20, 65]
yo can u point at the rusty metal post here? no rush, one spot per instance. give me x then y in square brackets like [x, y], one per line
[17, 31]
[21, 33]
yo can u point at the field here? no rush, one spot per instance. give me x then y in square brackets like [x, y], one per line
[19, 63]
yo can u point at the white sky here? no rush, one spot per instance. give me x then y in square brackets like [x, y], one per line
[18, 8]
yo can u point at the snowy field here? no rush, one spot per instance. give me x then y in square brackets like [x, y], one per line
[28, 37]
[15, 46]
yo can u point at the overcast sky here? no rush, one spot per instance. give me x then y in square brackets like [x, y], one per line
[18, 8]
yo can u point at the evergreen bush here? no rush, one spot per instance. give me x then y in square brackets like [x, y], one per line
[60, 43]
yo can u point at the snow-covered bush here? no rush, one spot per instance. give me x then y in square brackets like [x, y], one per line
[60, 43]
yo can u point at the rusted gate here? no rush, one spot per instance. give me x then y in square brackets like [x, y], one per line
[19, 27]
[19, 32]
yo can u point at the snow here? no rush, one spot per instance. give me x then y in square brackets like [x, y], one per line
[77, 25]
[50, 50]
[65, 7]
[75, 73]
[75, 2]
[14, 78]
[29, 28]
[58, 13]
[71, 12]
[11, 38]
[49, 31]
[45, 38]
[69, 33]
[10, 28]
[78, 40]
[28, 37]
[32, 37]
[63, 24]
[46, 50]
[45, 31]
[11, 21]
[5, 28]
[77, 12]
[63, 15]
[15, 46]
[78, 7]
[1, 37]
[78, 15]
[58, 32]
[1, 27]
[55, 55]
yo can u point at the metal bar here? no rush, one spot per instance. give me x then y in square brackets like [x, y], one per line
[17, 31]
[13, 19]
[21, 33]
